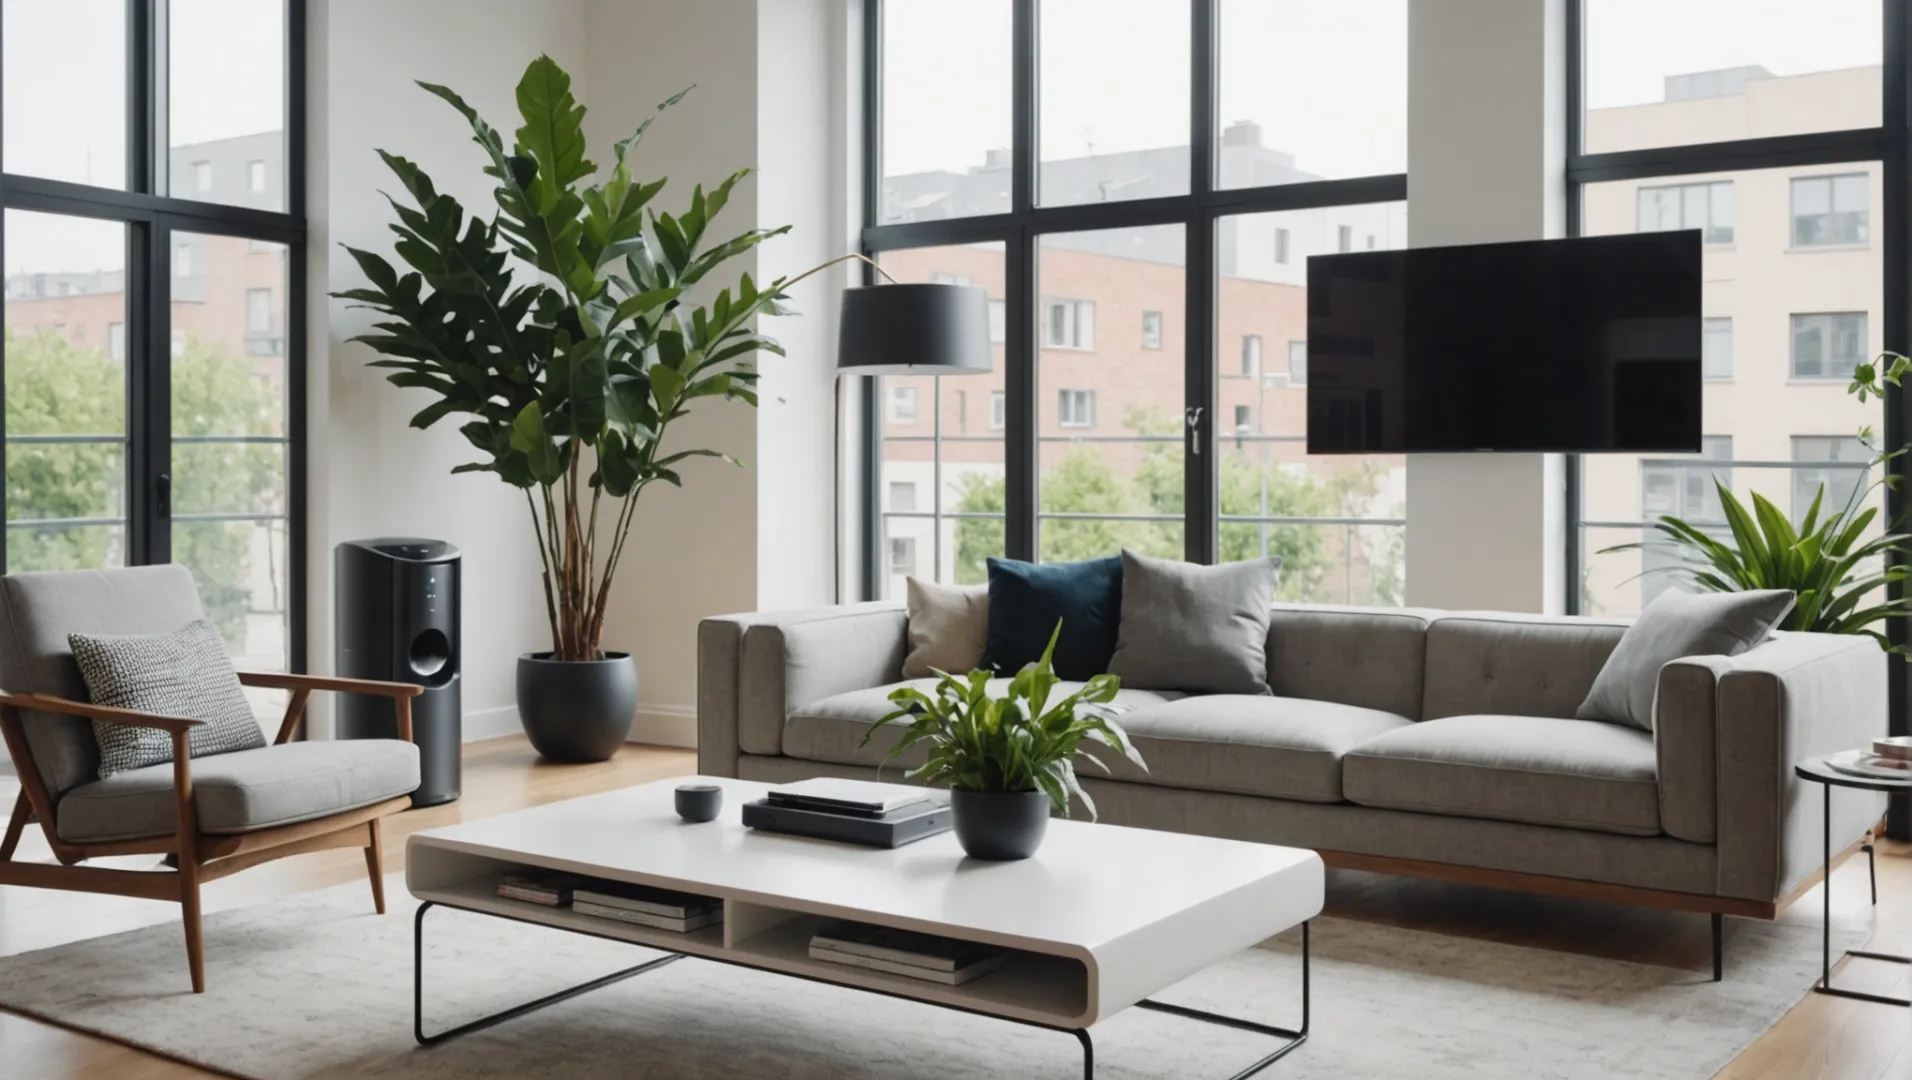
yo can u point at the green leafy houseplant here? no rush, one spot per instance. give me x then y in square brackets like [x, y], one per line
[570, 376]
[1826, 559]
[1020, 742]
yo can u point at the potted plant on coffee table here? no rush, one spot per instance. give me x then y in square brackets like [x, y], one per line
[1007, 760]
[570, 376]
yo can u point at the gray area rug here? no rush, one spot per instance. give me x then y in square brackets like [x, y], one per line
[317, 986]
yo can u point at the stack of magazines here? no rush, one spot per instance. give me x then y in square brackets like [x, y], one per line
[905, 952]
[641, 905]
[853, 811]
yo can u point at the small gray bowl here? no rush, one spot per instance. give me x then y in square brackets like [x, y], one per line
[699, 802]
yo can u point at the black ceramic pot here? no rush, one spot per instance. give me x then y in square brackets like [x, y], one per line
[1000, 824]
[577, 710]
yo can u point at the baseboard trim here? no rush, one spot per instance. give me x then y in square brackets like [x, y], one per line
[482, 724]
[666, 725]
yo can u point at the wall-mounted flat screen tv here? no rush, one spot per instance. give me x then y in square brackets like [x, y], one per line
[1587, 345]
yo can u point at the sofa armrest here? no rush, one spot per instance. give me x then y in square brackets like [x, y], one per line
[1791, 698]
[753, 669]
[1686, 746]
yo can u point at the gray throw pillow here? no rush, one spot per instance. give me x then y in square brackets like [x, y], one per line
[1676, 625]
[948, 628]
[1197, 629]
[184, 673]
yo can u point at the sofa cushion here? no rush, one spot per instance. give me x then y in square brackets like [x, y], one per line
[1674, 626]
[1370, 657]
[948, 627]
[830, 729]
[1285, 748]
[243, 791]
[1027, 600]
[1581, 774]
[1491, 663]
[1198, 629]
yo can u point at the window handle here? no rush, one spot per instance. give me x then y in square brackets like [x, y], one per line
[163, 494]
[1194, 417]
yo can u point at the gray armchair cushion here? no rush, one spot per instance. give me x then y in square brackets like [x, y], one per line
[184, 673]
[1197, 629]
[243, 791]
[1674, 626]
[1580, 774]
[39, 610]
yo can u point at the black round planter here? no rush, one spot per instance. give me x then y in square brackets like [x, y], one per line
[1000, 824]
[577, 710]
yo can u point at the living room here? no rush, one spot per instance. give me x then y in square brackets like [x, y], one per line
[1415, 482]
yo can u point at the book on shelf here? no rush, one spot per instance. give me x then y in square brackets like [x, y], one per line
[860, 798]
[646, 899]
[902, 946]
[539, 887]
[695, 921]
[956, 977]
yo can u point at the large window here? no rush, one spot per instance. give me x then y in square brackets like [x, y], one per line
[1148, 167]
[1722, 116]
[154, 289]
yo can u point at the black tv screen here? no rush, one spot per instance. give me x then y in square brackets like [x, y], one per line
[1584, 345]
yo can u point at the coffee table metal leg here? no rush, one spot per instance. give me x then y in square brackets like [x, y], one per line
[418, 989]
[1293, 1037]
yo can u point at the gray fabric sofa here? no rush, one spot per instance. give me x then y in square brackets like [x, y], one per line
[1411, 741]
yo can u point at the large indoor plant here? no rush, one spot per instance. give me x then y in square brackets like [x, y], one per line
[1827, 558]
[569, 376]
[1008, 759]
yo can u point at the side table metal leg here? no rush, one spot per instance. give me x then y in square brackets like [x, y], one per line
[1872, 872]
[1825, 893]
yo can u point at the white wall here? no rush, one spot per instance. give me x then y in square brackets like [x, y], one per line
[371, 473]
[1486, 160]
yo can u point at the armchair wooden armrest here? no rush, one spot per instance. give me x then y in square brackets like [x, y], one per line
[174, 725]
[302, 687]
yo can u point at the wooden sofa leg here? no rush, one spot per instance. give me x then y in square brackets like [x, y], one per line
[375, 865]
[1719, 947]
[22, 811]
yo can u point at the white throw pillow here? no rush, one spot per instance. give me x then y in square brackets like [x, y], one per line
[949, 626]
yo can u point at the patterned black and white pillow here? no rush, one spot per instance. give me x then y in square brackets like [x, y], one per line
[184, 673]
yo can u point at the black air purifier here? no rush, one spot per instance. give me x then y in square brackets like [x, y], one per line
[397, 620]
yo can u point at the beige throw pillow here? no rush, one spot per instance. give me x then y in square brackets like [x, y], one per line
[949, 625]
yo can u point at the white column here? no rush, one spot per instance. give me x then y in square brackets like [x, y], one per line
[1486, 161]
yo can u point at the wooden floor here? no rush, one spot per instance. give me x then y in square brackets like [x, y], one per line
[1822, 1037]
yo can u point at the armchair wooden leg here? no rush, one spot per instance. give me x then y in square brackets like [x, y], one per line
[375, 864]
[189, 913]
[22, 811]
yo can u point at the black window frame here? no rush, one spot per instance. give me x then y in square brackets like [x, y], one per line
[151, 219]
[1889, 146]
[1020, 231]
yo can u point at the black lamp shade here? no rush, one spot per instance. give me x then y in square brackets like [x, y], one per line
[914, 330]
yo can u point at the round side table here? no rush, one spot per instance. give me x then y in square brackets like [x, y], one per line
[1817, 771]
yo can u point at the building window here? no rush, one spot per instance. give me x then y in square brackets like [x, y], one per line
[1244, 419]
[1831, 210]
[1344, 238]
[179, 342]
[1076, 408]
[1828, 346]
[943, 278]
[902, 404]
[902, 497]
[1716, 349]
[258, 311]
[1250, 354]
[1707, 207]
[998, 410]
[902, 556]
[1839, 463]
[202, 176]
[116, 342]
[1370, 241]
[1671, 487]
[1068, 324]
[998, 322]
[1297, 363]
[1151, 329]
[256, 177]
[182, 260]
[1281, 246]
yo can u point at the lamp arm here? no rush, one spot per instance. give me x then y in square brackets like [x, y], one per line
[840, 259]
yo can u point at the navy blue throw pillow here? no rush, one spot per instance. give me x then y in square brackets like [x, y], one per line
[1026, 600]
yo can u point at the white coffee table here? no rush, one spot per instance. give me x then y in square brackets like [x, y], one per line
[1101, 917]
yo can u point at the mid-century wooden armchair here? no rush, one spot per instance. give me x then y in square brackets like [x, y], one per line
[211, 816]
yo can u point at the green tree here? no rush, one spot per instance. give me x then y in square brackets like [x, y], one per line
[55, 388]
